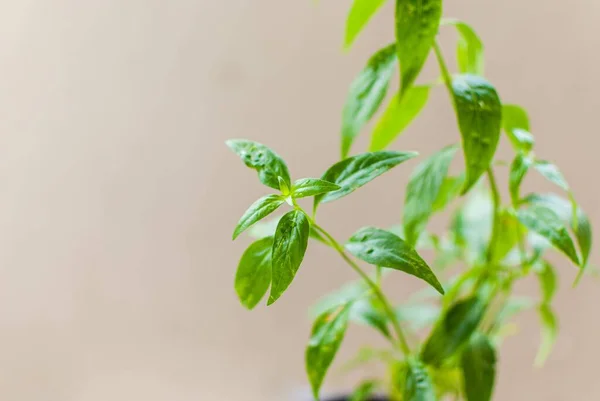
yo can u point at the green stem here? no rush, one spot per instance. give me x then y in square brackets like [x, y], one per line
[496, 202]
[444, 69]
[374, 287]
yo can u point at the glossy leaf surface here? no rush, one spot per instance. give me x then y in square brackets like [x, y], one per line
[289, 246]
[254, 272]
[312, 186]
[354, 172]
[382, 248]
[265, 161]
[417, 23]
[257, 211]
[479, 113]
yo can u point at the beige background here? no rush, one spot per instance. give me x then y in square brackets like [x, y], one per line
[118, 197]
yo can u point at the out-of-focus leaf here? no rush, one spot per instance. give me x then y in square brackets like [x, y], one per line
[516, 125]
[400, 112]
[479, 368]
[469, 51]
[364, 391]
[418, 386]
[423, 190]
[549, 332]
[327, 335]
[366, 94]
[518, 170]
[358, 17]
[453, 331]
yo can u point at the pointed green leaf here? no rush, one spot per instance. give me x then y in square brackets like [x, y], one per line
[417, 23]
[360, 14]
[549, 332]
[254, 272]
[548, 224]
[516, 125]
[418, 386]
[518, 170]
[382, 248]
[453, 331]
[469, 52]
[564, 209]
[312, 186]
[548, 281]
[400, 113]
[366, 94]
[283, 187]
[289, 246]
[327, 335]
[262, 159]
[479, 113]
[551, 173]
[354, 172]
[449, 191]
[478, 364]
[257, 211]
[422, 192]
[512, 231]
[364, 391]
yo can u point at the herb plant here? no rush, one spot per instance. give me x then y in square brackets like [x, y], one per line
[493, 242]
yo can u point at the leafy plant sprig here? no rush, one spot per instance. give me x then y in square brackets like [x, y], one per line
[496, 243]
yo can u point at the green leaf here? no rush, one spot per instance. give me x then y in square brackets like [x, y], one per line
[564, 209]
[548, 224]
[551, 173]
[478, 364]
[449, 191]
[289, 246]
[549, 332]
[366, 94]
[364, 391]
[312, 186]
[365, 311]
[479, 113]
[453, 331]
[516, 125]
[360, 14]
[400, 113]
[327, 335]
[548, 281]
[423, 190]
[382, 248]
[262, 159]
[518, 170]
[354, 172]
[512, 231]
[257, 211]
[469, 52]
[254, 272]
[418, 386]
[417, 23]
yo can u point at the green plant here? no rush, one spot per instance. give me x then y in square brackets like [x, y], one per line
[495, 243]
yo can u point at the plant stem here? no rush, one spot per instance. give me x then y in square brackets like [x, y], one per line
[496, 202]
[374, 287]
[444, 70]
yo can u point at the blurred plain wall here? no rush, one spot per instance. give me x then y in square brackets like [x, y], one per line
[118, 196]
